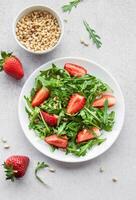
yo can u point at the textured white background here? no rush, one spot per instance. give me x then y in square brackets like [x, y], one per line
[115, 21]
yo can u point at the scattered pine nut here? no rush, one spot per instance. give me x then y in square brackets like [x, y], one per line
[65, 20]
[6, 146]
[81, 41]
[114, 180]
[84, 43]
[3, 140]
[101, 170]
[52, 170]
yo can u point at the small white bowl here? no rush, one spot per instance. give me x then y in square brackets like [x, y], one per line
[30, 9]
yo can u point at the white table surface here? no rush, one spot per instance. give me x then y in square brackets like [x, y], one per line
[115, 21]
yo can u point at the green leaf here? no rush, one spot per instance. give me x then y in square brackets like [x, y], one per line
[68, 7]
[10, 172]
[92, 34]
[46, 126]
[105, 117]
[40, 166]
[5, 54]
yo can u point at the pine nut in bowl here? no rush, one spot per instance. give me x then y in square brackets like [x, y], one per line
[38, 29]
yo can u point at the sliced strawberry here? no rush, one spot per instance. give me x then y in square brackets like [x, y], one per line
[76, 103]
[16, 166]
[56, 141]
[84, 135]
[49, 118]
[99, 103]
[96, 131]
[75, 70]
[40, 97]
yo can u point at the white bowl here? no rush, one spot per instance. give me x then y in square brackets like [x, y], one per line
[94, 69]
[38, 7]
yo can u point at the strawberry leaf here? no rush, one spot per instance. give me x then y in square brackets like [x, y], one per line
[5, 54]
[10, 172]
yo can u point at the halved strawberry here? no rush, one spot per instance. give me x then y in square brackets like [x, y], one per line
[56, 141]
[40, 97]
[99, 103]
[96, 131]
[75, 70]
[49, 118]
[76, 103]
[84, 135]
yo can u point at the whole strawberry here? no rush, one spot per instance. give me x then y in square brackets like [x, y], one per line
[11, 65]
[15, 166]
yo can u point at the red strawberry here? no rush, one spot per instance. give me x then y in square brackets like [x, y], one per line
[75, 70]
[49, 118]
[40, 97]
[99, 103]
[16, 166]
[56, 141]
[11, 65]
[86, 134]
[76, 103]
[96, 131]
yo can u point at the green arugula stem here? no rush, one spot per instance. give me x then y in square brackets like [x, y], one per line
[68, 7]
[40, 166]
[92, 35]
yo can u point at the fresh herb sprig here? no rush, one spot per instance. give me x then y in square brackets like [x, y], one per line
[68, 7]
[40, 165]
[93, 35]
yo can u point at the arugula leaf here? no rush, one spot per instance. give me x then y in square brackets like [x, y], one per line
[105, 110]
[40, 166]
[92, 34]
[68, 7]
[81, 149]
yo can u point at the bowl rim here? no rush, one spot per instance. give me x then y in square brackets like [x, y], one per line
[119, 89]
[49, 9]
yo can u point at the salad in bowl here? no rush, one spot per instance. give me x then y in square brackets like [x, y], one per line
[69, 109]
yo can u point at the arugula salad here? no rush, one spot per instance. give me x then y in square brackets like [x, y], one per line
[69, 108]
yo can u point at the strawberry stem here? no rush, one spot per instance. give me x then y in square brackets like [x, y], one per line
[10, 172]
[4, 55]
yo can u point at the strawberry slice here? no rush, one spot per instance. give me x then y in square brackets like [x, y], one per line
[85, 134]
[99, 103]
[40, 97]
[96, 131]
[75, 70]
[75, 104]
[56, 141]
[49, 118]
